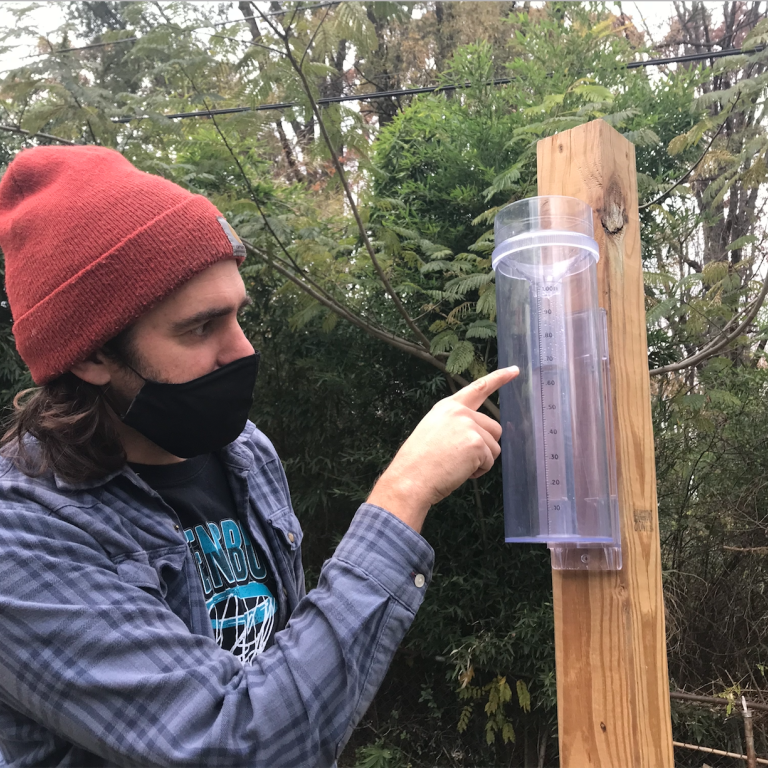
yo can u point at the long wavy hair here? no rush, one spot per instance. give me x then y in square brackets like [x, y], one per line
[72, 425]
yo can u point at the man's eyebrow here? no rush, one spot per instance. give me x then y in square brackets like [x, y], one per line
[208, 314]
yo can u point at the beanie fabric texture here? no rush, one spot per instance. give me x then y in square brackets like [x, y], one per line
[90, 244]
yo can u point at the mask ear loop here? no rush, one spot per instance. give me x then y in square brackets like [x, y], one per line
[131, 368]
[103, 394]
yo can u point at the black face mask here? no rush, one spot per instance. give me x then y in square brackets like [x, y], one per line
[198, 416]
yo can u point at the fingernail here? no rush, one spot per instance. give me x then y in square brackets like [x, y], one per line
[514, 369]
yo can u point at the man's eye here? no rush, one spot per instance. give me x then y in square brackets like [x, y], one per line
[201, 330]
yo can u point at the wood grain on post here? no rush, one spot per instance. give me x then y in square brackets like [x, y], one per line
[612, 683]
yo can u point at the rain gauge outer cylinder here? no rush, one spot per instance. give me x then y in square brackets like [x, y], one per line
[558, 454]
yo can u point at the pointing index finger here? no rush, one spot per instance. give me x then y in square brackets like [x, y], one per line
[474, 395]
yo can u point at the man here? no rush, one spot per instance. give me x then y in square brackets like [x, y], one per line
[152, 601]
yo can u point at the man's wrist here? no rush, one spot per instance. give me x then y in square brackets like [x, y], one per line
[401, 498]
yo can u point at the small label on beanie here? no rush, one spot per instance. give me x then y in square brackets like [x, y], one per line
[238, 249]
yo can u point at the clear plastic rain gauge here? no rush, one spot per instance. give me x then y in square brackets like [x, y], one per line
[558, 455]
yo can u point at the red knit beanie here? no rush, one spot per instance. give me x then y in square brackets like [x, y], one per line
[90, 244]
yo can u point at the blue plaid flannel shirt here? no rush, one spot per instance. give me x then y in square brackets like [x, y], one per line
[107, 654]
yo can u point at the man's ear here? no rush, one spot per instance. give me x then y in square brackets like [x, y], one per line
[95, 369]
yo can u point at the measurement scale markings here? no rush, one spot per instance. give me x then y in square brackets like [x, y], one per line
[550, 386]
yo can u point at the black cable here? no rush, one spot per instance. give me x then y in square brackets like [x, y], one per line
[377, 94]
[428, 88]
[322, 102]
[193, 29]
[631, 65]
[695, 57]
[276, 13]
[84, 47]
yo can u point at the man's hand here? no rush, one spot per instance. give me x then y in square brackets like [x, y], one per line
[451, 444]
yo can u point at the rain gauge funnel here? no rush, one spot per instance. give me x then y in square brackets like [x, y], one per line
[558, 454]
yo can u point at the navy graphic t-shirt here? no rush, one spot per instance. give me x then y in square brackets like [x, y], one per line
[239, 589]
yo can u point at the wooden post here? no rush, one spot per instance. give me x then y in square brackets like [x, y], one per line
[611, 660]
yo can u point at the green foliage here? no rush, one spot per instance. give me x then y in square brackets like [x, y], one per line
[473, 683]
[711, 456]
[707, 726]
[498, 695]
[379, 756]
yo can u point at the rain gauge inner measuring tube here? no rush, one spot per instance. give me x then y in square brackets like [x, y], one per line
[558, 453]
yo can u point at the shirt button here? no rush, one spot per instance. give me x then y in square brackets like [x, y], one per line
[291, 538]
[176, 528]
[419, 581]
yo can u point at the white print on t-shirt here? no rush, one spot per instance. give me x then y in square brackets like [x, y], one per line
[241, 606]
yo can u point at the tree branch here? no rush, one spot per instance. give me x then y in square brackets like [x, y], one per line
[314, 289]
[687, 173]
[246, 10]
[249, 43]
[386, 336]
[314, 35]
[267, 225]
[306, 284]
[755, 550]
[348, 192]
[298, 176]
[29, 134]
[423, 348]
[323, 297]
[720, 342]
[341, 311]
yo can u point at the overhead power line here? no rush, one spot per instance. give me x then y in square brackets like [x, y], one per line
[278, 13]
[631, 65]
[193, 29]
[695, 57]
[427, 89]
[84, 47]
[322, 102]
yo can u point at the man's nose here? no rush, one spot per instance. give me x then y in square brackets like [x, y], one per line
[237, 346]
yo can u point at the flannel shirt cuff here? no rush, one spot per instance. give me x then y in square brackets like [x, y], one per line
[389, 552]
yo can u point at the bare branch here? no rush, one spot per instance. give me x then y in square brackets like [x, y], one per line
[386, 336]
[752, 550]
[719, 342]
[265, 18]
[29, 134]
[713, 751]
[250, 43]
[314, 35]
[645, 24]
[295, 171]
[687, 173]
[267, 225]
[322, 296]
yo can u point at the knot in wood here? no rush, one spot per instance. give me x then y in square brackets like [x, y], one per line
[613, 214]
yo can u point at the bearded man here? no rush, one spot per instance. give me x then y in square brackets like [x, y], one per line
[152, 600]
